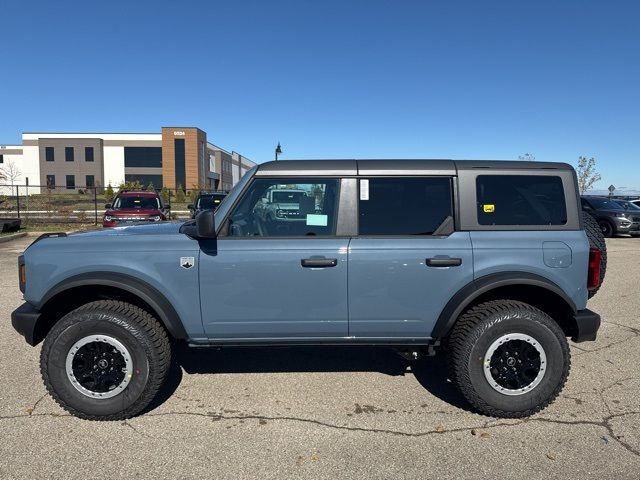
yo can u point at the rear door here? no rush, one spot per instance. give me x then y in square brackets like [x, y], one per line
[407, 261]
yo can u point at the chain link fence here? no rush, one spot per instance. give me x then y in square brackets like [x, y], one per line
[41, 204]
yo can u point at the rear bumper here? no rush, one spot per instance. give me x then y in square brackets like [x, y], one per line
[25, 321]
[587, 323]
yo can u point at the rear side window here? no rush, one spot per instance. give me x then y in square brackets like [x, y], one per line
[520, 200]
[404, 205]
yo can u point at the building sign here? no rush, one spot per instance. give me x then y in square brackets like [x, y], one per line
[178, 133]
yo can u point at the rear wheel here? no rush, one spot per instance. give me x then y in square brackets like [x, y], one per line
[596, 240]
[105, 360]
[508, 358]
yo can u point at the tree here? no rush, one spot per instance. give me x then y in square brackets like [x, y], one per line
[151, 187]
[527, 157]
[165, 193]
[10, 172]
[587, 174]
[109, 193]
[180, 194]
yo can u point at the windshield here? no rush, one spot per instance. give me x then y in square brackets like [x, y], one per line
[628, 205]
[603, 204]
[287, 197]
[147, 203]
[209, 201]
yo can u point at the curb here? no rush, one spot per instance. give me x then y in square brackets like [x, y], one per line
[8, 238]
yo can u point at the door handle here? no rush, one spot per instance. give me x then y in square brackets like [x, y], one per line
[443, 262]
[318, 262]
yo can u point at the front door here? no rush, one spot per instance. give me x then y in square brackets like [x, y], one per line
[407, 261]
[277, 270]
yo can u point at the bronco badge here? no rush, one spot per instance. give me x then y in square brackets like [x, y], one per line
[187, 262]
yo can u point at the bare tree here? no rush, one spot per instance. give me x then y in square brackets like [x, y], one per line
[587, 174]
[527, 157]
[10, 172]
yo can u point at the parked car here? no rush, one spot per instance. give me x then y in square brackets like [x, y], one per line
[206, 201]
[612, 216]
[135, 208]
[493, 260]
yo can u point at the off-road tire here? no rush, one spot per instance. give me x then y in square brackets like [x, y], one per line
[596, 240]
[142, 335]
[482, 325]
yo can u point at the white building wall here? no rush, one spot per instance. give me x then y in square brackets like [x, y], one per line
[113, 165]
[27, 164]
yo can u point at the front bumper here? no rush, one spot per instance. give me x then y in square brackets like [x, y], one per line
[25, 321]
[587, 323]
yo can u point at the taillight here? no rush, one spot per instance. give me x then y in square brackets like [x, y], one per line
[593, 277]
[22, 273]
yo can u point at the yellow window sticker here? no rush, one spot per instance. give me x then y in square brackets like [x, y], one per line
[489, 208]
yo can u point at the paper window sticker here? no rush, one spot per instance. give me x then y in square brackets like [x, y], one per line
[317, 220]
[364, 189]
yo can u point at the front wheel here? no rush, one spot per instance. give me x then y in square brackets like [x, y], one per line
[607, 229]
[508, 358]
[106, 360]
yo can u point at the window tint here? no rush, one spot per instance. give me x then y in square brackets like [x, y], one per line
[88, 154]
[404, 206]
[143, 157]
[141, 202]
[68, 154]
[520, 200]
[209, 201]
[604, 204]
[49, 154]
[296, 207]
[71, 182]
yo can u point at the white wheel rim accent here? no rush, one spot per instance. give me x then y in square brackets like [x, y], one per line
[122, 350]
[501, 341]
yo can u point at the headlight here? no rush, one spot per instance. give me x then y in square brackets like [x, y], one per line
[279, 213]
[157, 218]
[108, 218]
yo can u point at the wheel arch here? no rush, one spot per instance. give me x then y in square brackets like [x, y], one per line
[536, 290]
[80, 289]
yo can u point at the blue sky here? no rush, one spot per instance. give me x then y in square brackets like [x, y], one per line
[336, 79]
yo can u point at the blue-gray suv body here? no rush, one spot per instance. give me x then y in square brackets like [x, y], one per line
[492, 261]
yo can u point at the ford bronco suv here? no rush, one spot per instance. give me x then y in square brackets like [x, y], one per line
[490, 262]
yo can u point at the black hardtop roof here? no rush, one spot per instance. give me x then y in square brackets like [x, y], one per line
[396, 167]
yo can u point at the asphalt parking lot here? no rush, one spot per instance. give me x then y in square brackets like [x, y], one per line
[332, 412]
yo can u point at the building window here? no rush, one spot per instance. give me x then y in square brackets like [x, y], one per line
[51, 181]
[404, 206]
[68, 154]
[90, 181]
[145, 180]
[49, 154]
[88, 154]
[1, 158]
[149, 157]
[180, 166]
[71, 182]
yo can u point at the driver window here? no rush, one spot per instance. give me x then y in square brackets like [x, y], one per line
[285, 207]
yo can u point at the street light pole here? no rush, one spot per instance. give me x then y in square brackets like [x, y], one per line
[278, 151]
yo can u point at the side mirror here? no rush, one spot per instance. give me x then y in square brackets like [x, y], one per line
[205, 224]
[190, 206]
[107, 206]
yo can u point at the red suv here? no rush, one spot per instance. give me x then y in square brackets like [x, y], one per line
[135, 208]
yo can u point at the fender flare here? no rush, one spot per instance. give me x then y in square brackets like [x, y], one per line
[479, 286]
[149, 294]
